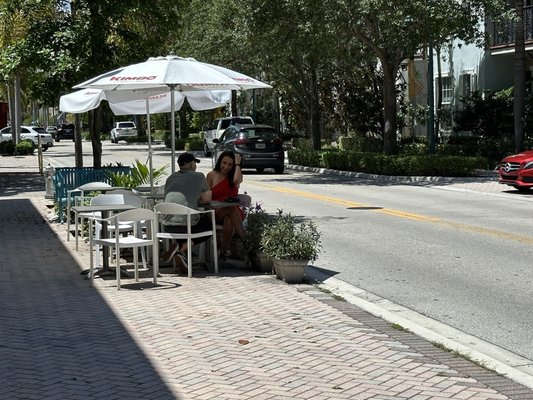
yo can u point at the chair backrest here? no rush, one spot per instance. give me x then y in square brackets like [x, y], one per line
[130, 197]
[174, 208]
[176, 214]
[104, 199]
[136, 215]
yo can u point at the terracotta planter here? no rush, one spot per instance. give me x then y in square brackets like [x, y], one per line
[262, 263]
[290, 271]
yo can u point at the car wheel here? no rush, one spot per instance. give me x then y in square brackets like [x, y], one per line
[279, 170]
[44, 148]
[57, 139]
[207, 152]
[523, 189]
[260, 170]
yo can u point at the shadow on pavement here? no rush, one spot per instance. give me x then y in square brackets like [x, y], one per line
[13, 183]
[58, 334]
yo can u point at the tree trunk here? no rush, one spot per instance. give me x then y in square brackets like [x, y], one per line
[519, 78]
[95, 128]
[11, 100]
[234, 111]
[17, 120]
[389, 113]
[315, 112]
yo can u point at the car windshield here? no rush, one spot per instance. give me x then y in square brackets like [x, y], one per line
[126, 125]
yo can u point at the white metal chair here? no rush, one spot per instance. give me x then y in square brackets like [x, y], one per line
[79, 195]
[134, 240]
[167, 210]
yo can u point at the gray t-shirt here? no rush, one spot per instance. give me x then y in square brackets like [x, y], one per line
[185, 187]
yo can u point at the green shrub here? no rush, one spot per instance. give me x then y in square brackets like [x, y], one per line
[302, 144]
[26, 147]
[7, 148]
[310, 158]
[179, 143]
[377, 163]
[194, 143]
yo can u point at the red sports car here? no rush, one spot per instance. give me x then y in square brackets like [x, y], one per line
[517, 170]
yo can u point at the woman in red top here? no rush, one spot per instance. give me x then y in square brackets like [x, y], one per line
[224, 181]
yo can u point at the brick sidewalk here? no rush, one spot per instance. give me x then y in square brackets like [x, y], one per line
[232, 336]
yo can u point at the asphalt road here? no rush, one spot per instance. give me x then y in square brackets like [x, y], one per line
[457, 251]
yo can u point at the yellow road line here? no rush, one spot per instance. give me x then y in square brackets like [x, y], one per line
[400, 214]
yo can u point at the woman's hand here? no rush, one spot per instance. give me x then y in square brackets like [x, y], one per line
[237, 159]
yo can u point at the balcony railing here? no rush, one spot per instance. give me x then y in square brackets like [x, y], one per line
[503, 33]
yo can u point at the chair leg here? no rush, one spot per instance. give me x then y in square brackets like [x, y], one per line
[189, 257]
[215, 252]
[117, 265]
[76, 227]
[155, 259]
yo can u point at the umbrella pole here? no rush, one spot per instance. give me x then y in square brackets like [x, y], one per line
[149, 134]
[172, 129]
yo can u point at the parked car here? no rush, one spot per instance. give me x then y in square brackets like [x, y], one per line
[217, 127]
[34, 133]
[64, 131]
[123, 130]
[517, 170]
[259, 146]
[51, 129]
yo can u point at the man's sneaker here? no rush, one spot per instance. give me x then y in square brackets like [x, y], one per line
[181, 263]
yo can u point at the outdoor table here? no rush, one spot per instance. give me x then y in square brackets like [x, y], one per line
[105, 209]
[147, 188]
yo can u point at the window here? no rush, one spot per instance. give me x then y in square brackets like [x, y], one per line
[447, 89]
[468, 83]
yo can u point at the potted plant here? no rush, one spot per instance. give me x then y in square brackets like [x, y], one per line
[257, 220]
[291, 245]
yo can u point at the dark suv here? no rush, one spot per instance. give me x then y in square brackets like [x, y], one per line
[65, 131]
[259, 146]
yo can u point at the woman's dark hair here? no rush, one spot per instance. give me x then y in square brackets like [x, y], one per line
[231, 174]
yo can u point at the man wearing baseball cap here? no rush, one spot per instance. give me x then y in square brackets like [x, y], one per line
[189, 188]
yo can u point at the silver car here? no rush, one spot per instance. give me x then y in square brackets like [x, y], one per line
[123, 130]
[35, 133]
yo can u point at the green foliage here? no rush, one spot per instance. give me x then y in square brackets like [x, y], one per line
[310, 158]
[139, 175]
[407, 164]
[7, 148]
[194, 144]
[179, 143]
[487, 115]
[284, 238]
[257, 220]
[25, 147]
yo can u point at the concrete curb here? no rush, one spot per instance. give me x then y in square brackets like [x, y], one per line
[484, 353]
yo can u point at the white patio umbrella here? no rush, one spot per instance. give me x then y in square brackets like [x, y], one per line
[159, 102]
[173, 73]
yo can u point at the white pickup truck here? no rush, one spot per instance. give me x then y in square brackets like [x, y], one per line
[217, 127]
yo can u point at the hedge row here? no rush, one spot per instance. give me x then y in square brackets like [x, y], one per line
[376, 163]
